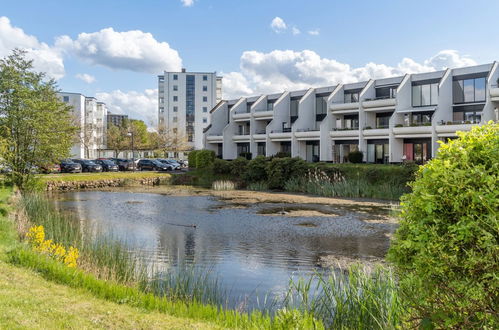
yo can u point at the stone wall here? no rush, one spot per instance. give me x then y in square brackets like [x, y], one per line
[93, 184]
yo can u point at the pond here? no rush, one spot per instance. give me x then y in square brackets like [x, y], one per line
[253, 248]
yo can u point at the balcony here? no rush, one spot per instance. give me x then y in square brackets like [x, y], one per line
[494, 93]
[241, 137]
[241, 116]
[215, 138]
[344, 132]
[342, 107]
[421, 129]
[378, 104]
[307, 134]
[381, 131]
[451, 127]
[263, 115]
[280, 135]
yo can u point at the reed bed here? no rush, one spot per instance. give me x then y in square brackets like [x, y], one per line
[223, 185]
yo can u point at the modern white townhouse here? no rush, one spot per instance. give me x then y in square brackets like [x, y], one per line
[91, 117]
[389, 120]
[184, 101]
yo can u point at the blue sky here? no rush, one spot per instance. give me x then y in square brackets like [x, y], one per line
[338, 41]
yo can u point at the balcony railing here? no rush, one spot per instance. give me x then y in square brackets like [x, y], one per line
[459, 122]
[261, 131]
[345, 128]
[414, 124]
[379, 98]
[284, 130]
[308, 129]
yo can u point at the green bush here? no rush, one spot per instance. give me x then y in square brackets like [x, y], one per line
[204, 158]
[238, 167]
[247, 155]
[446, 249]
[355, 157]
[221, 167]
[192, 158]
[282, 154]
[280, 170]
[256, 170]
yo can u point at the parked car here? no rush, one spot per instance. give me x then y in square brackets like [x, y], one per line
[107, 165]
[88, 165]
[183, 163]
[123, 164]
[173, 163]
[153, 165]
[68, 166]
[52, 168]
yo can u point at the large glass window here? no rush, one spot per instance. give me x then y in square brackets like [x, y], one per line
[424, 94]
[294, 109]
[469, 90]
[383, 120]
[190, 91]
[351, 96]
[351, 122]
[386, 92]
[320, 105]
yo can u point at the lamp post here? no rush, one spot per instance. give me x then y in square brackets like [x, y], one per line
[130, 133]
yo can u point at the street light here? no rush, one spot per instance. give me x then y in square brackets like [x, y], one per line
[130, 133]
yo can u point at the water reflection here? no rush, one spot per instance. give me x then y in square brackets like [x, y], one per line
[250, 252]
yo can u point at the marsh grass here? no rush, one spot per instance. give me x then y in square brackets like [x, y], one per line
[221, 185]
[258, 186]
[358, 298]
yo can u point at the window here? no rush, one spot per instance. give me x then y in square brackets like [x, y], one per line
[205, 120]
[471, 114]
[468, 90]
[161, 100]
[320, 105]
[174, 119]
[205, 109]
[383, 120]
[386, 92]
[270, 106]
[205, 77]
[418, 119]
[205, 98]
[351, 96]
[161, 109]
[161, 78]
[424, 94]
[175, 77]
[175, 108]
[175, 88]
[205, 88]
[190, 138]
[351, 122]
[175, 98]
[260, 149]
[294, 109]
[65, 99]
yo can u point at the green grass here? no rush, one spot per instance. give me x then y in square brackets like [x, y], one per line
[29, 301]
[72, 177]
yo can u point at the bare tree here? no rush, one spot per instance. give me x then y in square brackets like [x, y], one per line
[172, 140]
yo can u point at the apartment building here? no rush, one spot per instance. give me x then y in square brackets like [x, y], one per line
[115, 119]
[389, 120]
[91, 117]
[184, 101]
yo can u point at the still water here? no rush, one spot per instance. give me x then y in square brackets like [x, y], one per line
[250, 252]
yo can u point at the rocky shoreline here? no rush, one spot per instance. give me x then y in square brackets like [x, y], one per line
[94, 184]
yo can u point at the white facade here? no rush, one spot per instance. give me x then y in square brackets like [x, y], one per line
[389, 120]
[184, 102]
[91, 117]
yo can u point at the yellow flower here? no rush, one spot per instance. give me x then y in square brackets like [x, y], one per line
[36, 238]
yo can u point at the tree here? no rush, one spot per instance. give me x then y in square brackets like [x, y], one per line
[171, 140]
[446, 249]
[86, 137]
[36, 126]
[117, 139]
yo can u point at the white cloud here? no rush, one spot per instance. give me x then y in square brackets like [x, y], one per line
[295, 31]
[131, 50]
[45, 58]
[85, 77]
[281, 70]
[137, 105]
[314, 32]
[187, 3]
[278, 25]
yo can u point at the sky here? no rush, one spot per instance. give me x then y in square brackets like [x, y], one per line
[114, 50]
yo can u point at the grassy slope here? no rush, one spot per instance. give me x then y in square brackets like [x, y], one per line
[29, 301]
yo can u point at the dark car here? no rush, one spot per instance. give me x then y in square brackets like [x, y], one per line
[107, 165]
[68, 166]
[171, 162]
[88, 165]
[123, 164]
[153, 165]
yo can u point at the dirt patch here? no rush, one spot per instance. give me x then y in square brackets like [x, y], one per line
[345, 262]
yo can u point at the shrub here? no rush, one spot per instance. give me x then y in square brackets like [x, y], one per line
[239, 167]
[192, 158]
[282, 154]
[280, 170]
[247, 155]
[221, 166]
[446, 249]
[256, 170]
[258, 186]
[204, 158]
[355, 157]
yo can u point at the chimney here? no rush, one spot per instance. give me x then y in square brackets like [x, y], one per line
[183, 70]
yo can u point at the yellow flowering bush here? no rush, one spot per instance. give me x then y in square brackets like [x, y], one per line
[36, 237]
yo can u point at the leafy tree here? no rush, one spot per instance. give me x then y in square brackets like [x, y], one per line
[36, 126]
[117, 139]
[446, 249]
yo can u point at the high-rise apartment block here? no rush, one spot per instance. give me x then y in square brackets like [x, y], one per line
[391, 120]
[184, 102]
[91, 118]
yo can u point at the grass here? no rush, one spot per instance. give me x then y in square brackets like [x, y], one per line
[29, 301]
[221, 185]
[72, 177]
